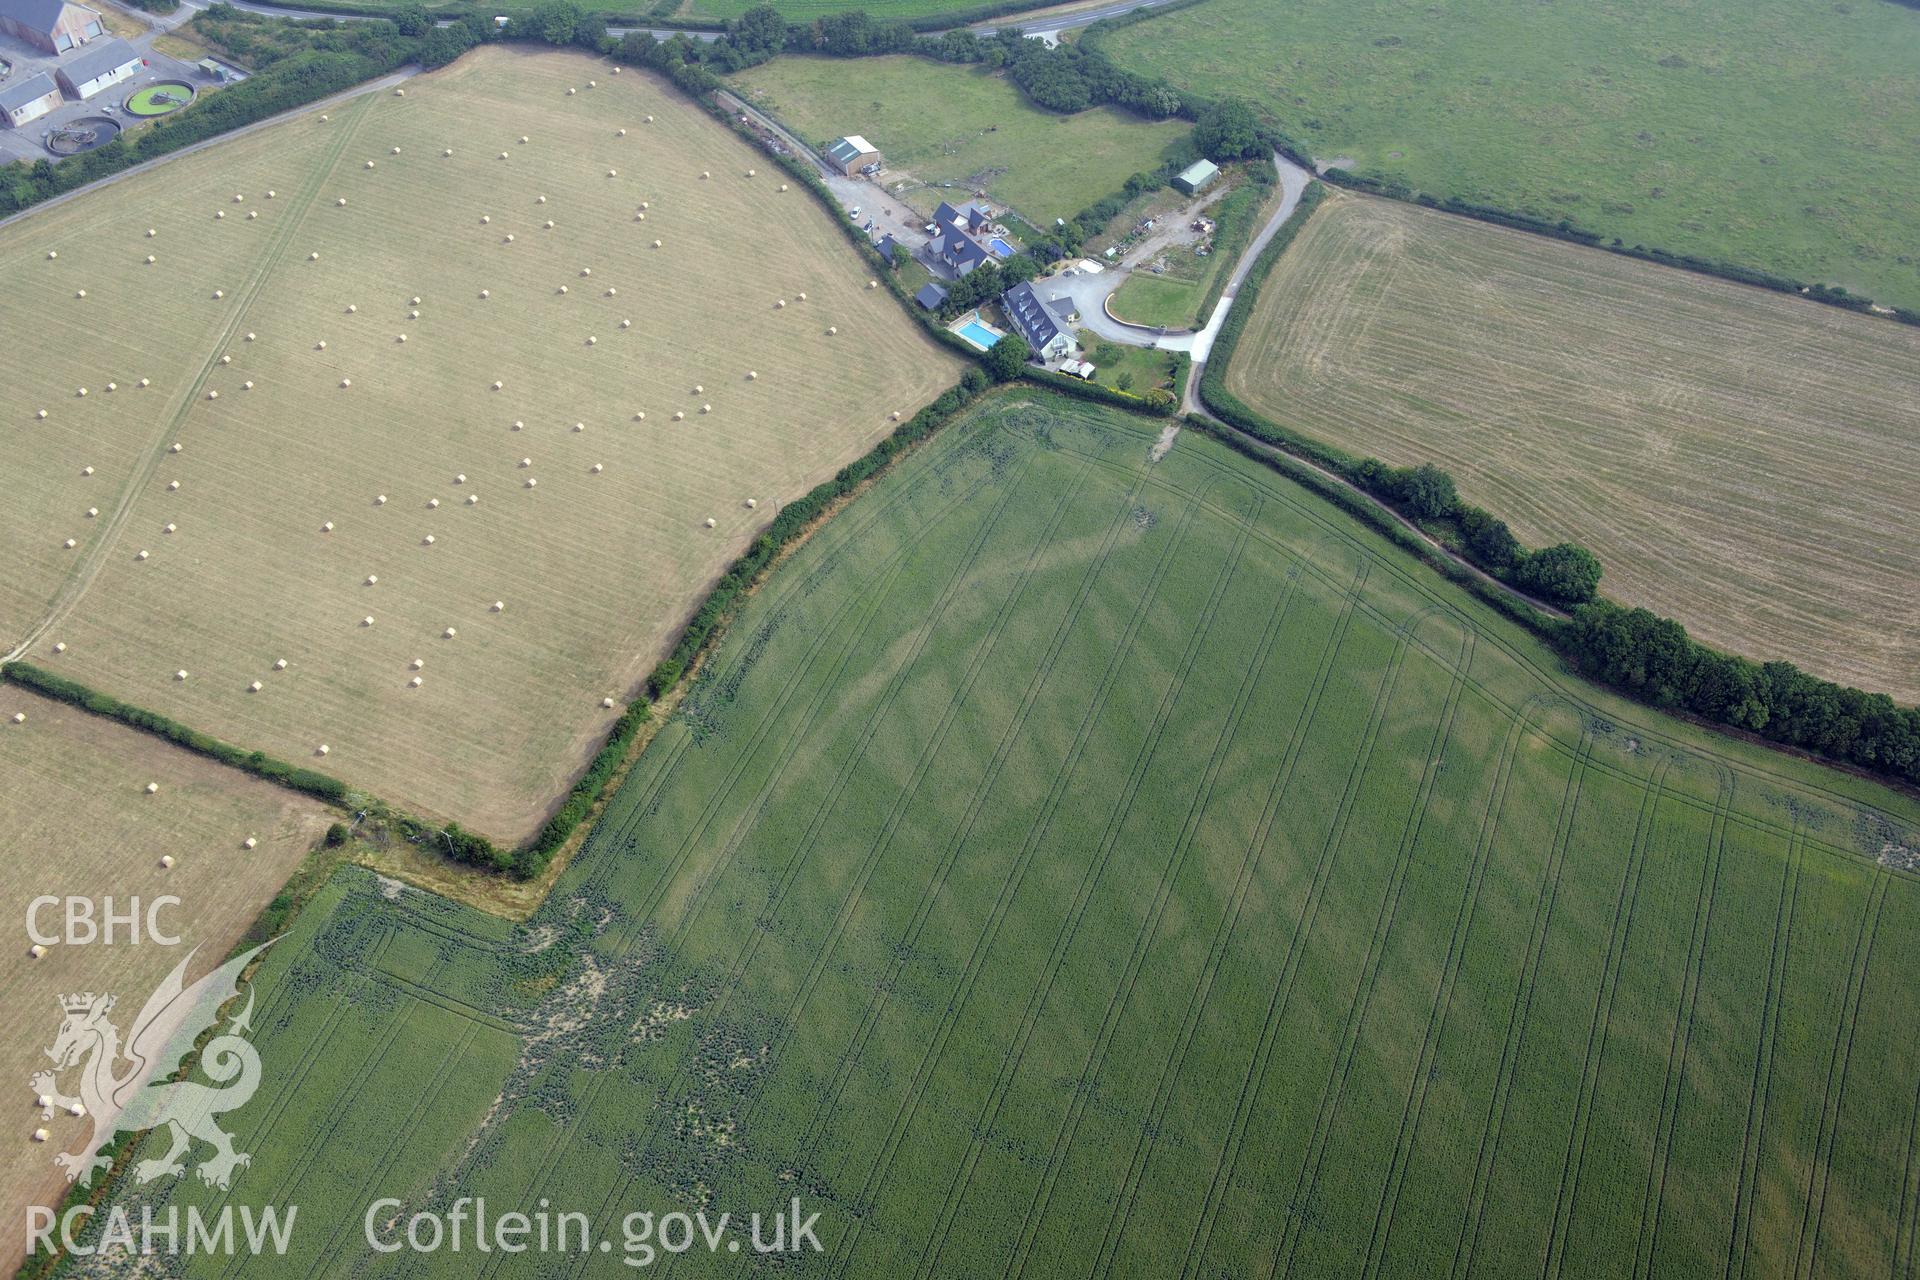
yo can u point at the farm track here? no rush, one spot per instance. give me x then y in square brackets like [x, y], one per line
[1601, 1021]
[1254, 1081]
[177, 409]
[1412, 1110]
[903, 1117]
[1468, 1240]
[1740, 1244]
[1229, 918]
[1123, 990]
[1307, 1183]
[1681, 1042]
[1806, 1247]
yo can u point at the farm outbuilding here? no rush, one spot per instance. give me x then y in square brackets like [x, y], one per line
[101, 67]
[51, 26]
[1195, 177]
[26, 101]
[852, 155]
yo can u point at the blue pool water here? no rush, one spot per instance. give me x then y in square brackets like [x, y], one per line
[978, 334]
[1000, 247]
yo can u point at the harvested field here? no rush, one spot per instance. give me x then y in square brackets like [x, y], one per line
[1739, 460]
[78, 820]
[341, 356]
[1069, 865]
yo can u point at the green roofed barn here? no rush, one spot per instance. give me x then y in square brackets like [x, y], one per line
[1195, 177]
[852, 154]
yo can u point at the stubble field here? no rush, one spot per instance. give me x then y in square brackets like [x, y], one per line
[377, 415]
[1070, 866]
[79, 821]
[1738, 460]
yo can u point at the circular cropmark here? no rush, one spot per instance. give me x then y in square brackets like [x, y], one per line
[159, 98]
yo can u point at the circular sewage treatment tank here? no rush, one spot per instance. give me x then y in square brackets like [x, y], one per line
[159, 98]
[83, 134]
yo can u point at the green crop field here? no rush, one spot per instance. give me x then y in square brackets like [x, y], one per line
[1070, 865]
[959, 129]
[459, 439]
[1772, 133]
[1739, 460]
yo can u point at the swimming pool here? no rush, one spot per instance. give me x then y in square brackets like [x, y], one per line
[1000, 247]
[979, 334]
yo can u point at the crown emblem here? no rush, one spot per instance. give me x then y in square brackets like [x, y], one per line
[85, 1001]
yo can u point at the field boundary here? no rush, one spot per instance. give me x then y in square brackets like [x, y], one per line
[1635, 652]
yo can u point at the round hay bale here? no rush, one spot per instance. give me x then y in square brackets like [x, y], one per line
[369, 164]
[752, 503]
[19, 717]
[249, 843]
[526, 462]
[167, 528]
[498, 385]
[620, 133]
[341, 203]
[413, 302]
[320, 345]
[679, 415]
[779, 304]
[151, 233]
[313, 257]
[418, 663]
[373, 579]
[801, 296]
[80, 293]
[607, 703]
[219, 213]
[626, 324]
[579, 426]
[571, 91]
[92, 512]
[255, 687]
[413, 315]
[485, 293]
[449, 633]
[86, 471]
[252, 214]
[595, 468]
[485, 218]
[706, 408]
[532, 483]
[656, 244]
[172, 485]
[223, 360]
[473, 499]
[140, 555]
[509, 238]
[396, 151]
[247, 386]
[832, 330]
[645, 204]
[367, 621]
[401, 338]
[640, 416]
[71, 544]
[427, 541]
[698, 389]
[704, 174]
[517, 426]
[523, 139]
[711, 522]
[279, 664]
[380, 500]
[250, 337]
[153, 788]
[213, 395]
[144, 382]
[498, 606]
[345, 383]
[612, 292]
[649, 119]
[414, 683]
[563, 288]
[174, 448]
[503, 155]
[539, 199]
[639, 217]
[149, 259]
[327, 527]
[238, 198]
[271, 194]
[753, 375]
[749, 173]
[896, 415]
[460, 479]
[549, 224]
[322, 749]
[82, 393]
[41, 414]
[613, 173]
[166, 864]
[447, 152]
[60, 646]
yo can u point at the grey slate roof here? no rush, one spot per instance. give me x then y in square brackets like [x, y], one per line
[97, 58]
[1037, 320]
[930, 296]
[40, 15]
[14, 95]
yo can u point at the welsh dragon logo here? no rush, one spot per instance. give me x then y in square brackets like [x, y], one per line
[122, 1085]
